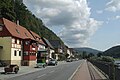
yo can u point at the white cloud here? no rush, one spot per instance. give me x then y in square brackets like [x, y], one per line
[117, 17]
[73, 16]
[113, 5]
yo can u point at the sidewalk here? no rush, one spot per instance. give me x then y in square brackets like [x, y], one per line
[23, 70]
[87, 71]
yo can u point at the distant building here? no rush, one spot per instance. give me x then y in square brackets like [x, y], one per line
[49, 48]
[58, 47]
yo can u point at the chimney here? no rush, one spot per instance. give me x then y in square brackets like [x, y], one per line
[18, 22]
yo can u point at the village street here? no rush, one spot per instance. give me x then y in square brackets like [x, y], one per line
[63, 71]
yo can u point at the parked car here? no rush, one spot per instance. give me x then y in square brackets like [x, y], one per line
[11, 68]
[52, 62]
[68, 60]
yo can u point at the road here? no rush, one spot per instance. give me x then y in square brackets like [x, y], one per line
[59, 72]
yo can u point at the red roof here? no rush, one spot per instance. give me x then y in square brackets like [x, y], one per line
[37, 37]
[17, 30]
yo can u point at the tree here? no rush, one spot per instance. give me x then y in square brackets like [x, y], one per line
[99, 54]
[90, 55]
[84, 54]
[7, 9]
[14, 10]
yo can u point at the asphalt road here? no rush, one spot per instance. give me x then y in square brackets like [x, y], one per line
[59, 72]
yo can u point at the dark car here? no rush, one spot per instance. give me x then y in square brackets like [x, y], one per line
[52, 62]
[11, 68]
[68, 60]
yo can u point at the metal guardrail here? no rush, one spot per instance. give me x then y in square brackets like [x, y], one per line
[108, 68]
[117, 74]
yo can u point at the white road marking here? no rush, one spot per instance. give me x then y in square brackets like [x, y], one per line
[52, 71]
[41, 75]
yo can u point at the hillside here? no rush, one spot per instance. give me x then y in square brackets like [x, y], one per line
[15, 10]
[87, 50]
[113, 52]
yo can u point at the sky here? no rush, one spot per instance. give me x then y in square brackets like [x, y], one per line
[81, 23]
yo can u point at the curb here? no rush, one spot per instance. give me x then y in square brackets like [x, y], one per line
[101, 74]
[75, 71]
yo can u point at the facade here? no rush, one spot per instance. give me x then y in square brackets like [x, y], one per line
[59, 53]
[49, 48]
[11, 53]
[41, 50]
[13, 40]
[29, 54]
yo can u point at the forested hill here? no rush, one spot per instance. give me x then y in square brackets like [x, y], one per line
[15, 10]
[113, 52]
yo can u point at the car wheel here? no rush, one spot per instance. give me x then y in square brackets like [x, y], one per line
[43, 66]
[5, 72]
[16, 71]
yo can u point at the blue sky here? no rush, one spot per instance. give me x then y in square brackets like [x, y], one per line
[108, 33]
[81, 23]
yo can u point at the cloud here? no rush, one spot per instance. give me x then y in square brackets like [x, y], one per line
[73, 16]
[117, 17]
[113, 5]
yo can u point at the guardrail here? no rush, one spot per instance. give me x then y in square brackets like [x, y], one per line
[111, 70]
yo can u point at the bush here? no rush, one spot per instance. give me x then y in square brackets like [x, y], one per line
[103, 58]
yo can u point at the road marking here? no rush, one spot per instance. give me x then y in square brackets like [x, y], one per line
[41, 75]
[75, 71]
[52, 71]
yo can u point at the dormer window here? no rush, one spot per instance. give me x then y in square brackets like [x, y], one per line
[17, 31]
[26, 34]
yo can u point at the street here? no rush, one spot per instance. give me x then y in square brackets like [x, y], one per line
[59, 72]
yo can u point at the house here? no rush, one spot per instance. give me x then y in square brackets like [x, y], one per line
[30, 49]
[49, 48]
[41, 52]
[58, 47]
[18, 45]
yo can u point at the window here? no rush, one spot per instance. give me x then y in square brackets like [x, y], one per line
[17, 31]
[16, 41]
[20, 42]
[26, 53]
[19, 53]
[13, 40]
[26, 34]
[15, 53]
[27, 42]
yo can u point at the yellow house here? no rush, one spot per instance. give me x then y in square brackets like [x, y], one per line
[11, 37]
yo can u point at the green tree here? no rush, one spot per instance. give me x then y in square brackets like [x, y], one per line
[7, 9]
[84, 55]
[15, 10]
[99, 54]
[90, 55]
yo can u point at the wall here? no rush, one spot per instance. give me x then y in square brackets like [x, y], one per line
[16, 46]
[51, 52]
[5, 53]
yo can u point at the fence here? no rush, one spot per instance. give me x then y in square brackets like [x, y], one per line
[108, 68]
[117, 74]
